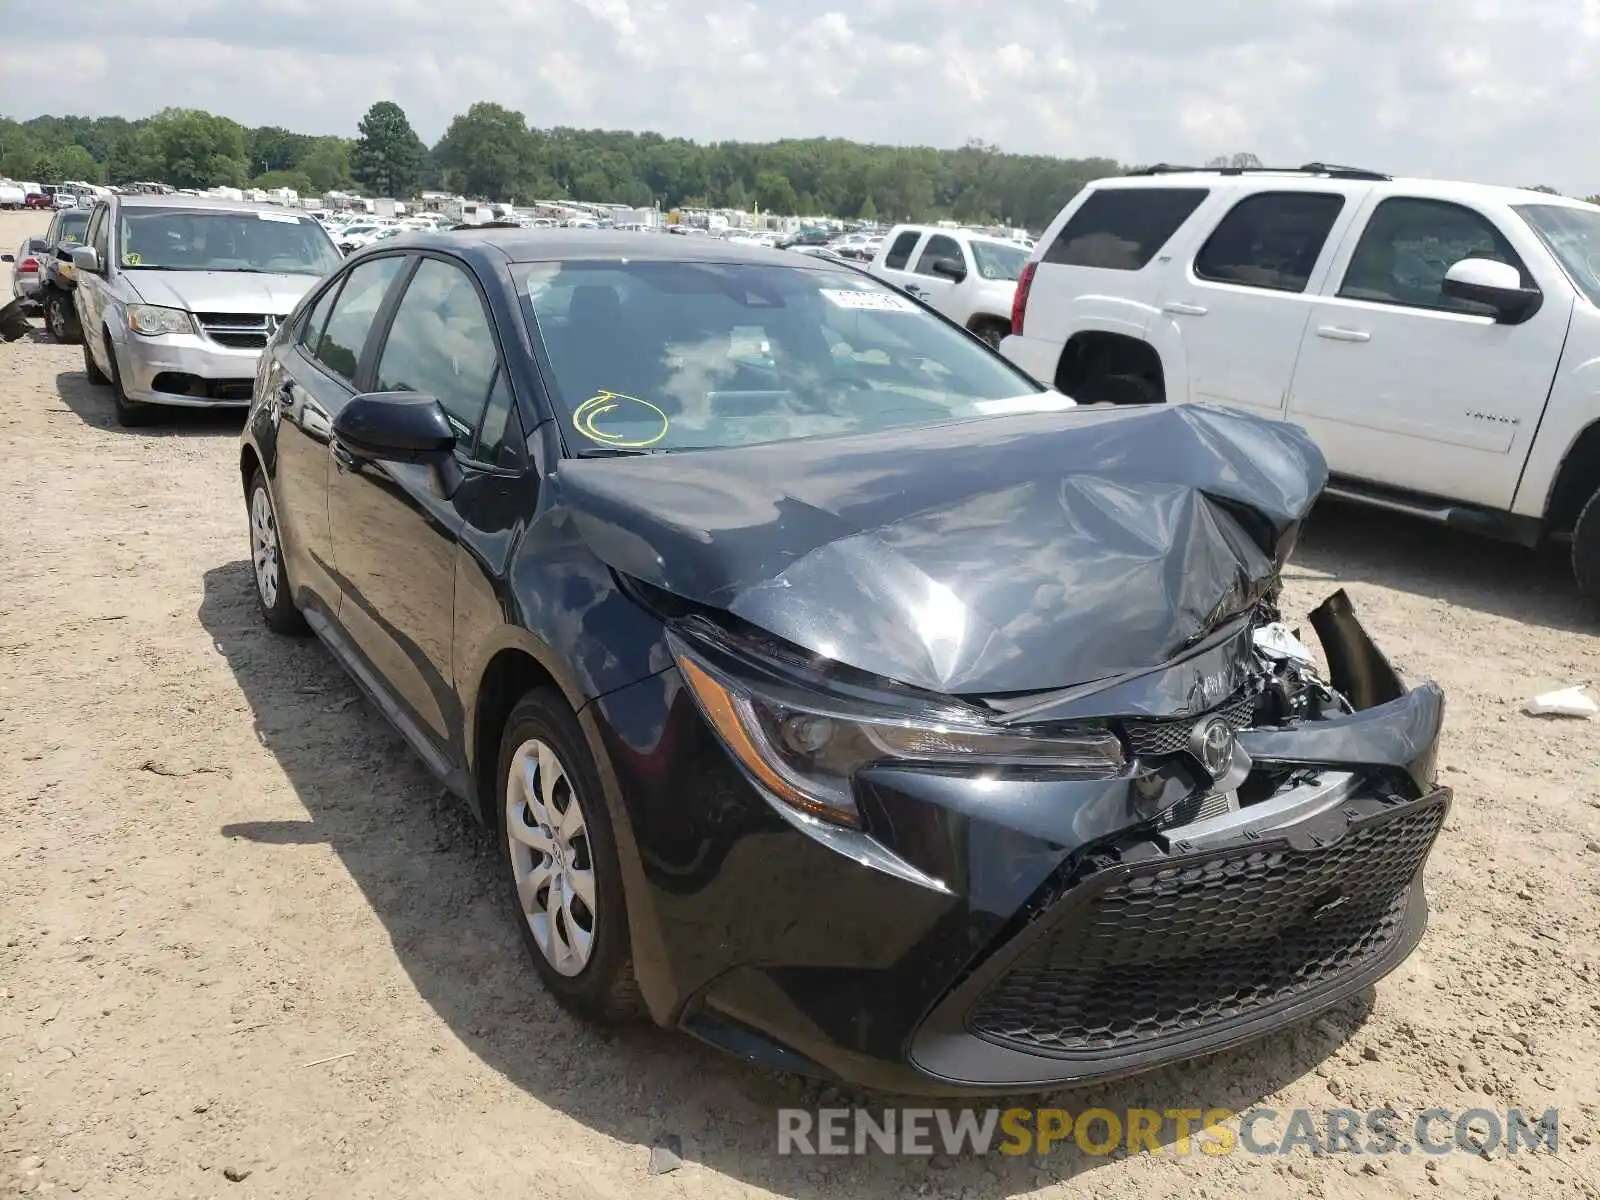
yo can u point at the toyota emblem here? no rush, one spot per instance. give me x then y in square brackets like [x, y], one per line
[1211, 743]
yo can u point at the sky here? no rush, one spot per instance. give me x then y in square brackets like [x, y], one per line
[1498, 91]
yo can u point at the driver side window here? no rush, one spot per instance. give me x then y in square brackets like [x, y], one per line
[939, 246]
[1409, 244]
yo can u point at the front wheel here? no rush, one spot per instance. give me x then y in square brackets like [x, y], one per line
[559, 859]
[1586, 549]
[92, 368]
[130, 413]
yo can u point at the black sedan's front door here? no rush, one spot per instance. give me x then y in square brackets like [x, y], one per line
[395, 530]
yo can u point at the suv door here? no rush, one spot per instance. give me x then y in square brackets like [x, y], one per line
[898, 255]
[394, 535]
[928, 285]
[1405, 386]
[1235, 313]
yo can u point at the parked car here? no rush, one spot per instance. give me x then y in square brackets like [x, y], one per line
[1438, 340]
[837, 693]
[56, 274]
[39, 199]
[970, 278]
[27, 268]
[177, 296]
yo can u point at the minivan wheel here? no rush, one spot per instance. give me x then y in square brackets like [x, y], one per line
[559, 861]
[92, 368]
[61, 319]
[266, 557]
[129, 412]
[1586, 549]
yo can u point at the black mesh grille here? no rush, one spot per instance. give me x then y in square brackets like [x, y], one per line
[1151, 738]
[242, 331]
[1168, 949]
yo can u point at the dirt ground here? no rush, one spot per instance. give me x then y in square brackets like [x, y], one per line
[247, 949]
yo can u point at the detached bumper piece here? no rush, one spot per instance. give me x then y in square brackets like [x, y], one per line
[1150, 954]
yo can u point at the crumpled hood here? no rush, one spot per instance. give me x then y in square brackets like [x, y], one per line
[222, 291]
[1006, 554]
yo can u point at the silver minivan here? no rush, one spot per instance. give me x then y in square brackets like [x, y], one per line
[178, 295]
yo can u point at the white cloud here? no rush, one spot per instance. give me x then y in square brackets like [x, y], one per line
[1486, 89]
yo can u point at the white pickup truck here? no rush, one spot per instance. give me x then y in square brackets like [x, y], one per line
[968, 277]
[1440, 341]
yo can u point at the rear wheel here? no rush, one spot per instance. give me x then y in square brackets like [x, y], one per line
[559, 860]
[992, 332]
[1586, 549]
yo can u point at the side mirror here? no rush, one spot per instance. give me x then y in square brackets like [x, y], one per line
[86, 259]
[1495, 284]
[8, 257]
[400, 427]
[950, 269]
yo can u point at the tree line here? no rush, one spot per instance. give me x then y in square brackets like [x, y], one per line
[491, 152]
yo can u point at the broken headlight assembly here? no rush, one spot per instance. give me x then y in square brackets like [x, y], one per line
[803, 745]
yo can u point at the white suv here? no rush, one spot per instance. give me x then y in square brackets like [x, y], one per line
[1440, 341]
[969, 278]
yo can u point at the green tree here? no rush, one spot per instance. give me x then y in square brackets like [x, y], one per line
[195, 149]
[297, 180]
[274, 149]
[387, 159]
[868, 210]
[327, 165]
[774, 193]
[487, 152]
[734, 195]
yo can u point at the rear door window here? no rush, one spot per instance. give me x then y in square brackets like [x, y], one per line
[1122, 229]
[900, 252]
[339, 347]
[1270, 240]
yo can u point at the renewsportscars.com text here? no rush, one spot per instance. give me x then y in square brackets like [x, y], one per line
[1179, 1131]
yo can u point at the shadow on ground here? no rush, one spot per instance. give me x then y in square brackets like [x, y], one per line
[95, 408]
[1449, 565]
[426, 867]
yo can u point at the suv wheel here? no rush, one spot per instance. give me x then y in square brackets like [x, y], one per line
[129, 412]
[60, 318]
[559, 860]
[92, 368]
[1586, 549]
[266, 556]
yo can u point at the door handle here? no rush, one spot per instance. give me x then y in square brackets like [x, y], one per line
[1335, 333]
[342, 458]
[1184, 310]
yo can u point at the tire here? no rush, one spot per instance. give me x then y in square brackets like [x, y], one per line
[92, 368]
[61, 318]
[992, 333]
[273, 595]
[130, 413]
[1586, 549]
[1101, 388]
[596, 982]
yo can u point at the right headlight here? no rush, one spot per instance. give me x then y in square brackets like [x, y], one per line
[152, 319]
[804, 747]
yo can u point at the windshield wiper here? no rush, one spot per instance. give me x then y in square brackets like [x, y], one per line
[615, 451]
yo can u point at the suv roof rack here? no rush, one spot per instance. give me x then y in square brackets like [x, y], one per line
[1331, 170]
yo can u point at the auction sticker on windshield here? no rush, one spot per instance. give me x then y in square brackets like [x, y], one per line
[281, 218]
[867, 300]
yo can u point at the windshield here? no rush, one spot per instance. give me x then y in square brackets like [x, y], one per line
[673, 355]
[995, 260]
[168, 239]
[1573, 236]
[71, 230]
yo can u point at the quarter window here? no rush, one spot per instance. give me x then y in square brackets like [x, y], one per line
[939, 246]
[501, 429]
[1122, 229]
[339, 346]
[1408, 246]
[441, 344]
[311, 327]
[900, 253]
[1271, 240]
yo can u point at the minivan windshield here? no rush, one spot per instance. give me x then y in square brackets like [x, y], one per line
[179, 239]
[997, 260]
[1573, 236]
[692, 355]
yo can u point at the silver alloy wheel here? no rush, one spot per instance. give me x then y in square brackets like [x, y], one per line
[56, 318]
[550, 859]
[264, 545]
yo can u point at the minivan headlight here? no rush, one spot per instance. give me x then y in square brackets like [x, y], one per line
[805, 747]
[152, 319]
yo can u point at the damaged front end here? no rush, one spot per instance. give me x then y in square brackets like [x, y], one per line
[1287, 878]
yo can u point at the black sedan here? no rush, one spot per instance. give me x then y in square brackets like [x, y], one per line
[839, 695]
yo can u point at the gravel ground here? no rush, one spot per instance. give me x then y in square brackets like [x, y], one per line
[247, 949]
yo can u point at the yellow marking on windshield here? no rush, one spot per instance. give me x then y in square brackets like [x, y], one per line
[585, 419]
[131, 260]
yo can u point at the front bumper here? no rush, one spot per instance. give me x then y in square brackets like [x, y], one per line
[1027, 931]
[186, 370]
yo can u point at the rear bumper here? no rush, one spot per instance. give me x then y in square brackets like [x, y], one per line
[1036, 356]
[187, 371]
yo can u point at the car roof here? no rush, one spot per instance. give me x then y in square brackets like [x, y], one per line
[573, 245]
[203, 204]
[1294, 181]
